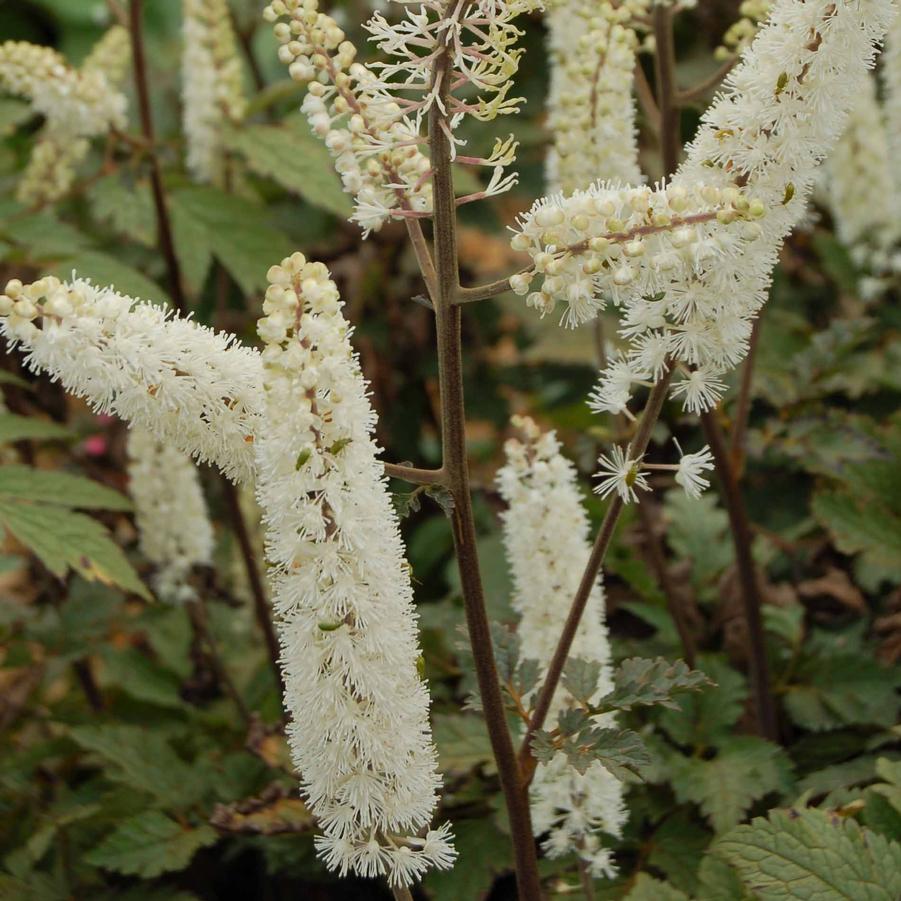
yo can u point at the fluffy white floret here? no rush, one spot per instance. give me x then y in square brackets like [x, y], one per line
[692, 261]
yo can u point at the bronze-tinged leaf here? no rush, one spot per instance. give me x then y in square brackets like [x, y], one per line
[273, 812]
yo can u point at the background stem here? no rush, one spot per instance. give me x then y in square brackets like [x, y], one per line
[740, 528]
[163, 222]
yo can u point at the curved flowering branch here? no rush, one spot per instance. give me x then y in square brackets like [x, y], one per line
[546, 537]
[692, 292]
[360, 735]
[195, 389]
[212, 90]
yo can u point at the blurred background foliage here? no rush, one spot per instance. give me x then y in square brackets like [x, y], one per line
[128, 770]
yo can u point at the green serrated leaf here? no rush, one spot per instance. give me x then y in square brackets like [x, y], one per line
[620, 751]
[150, 844]
[59, 488]
[141, 678]
[463, 743]
[144, 761]
[128, 208]
[63, 540]
[293, 156]
[677, 848]
[712, 713]
[647, 888]
[808, 855]
[844, 689]
[22, 428]
[580, 678]
[745, 769]
[719, 882]
[641, 681]
[210, 222]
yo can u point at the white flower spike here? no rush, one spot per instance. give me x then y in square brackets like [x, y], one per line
[546, 535]
[360, 733]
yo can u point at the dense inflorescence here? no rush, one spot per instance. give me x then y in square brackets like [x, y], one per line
[591, 110]
[194, 388]
[176, 535]
[359, 733]
[212, 90]
[546, 534]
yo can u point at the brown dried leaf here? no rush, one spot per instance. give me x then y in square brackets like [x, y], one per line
[835, 584]
[272, 813]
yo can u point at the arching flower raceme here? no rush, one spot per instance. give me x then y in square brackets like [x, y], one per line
[76, 104]
[194, 388]
[546, 537]
[171, 514]
[212, 90]
[695, 275]
[360, 733]
[591, 110]
[863, 195]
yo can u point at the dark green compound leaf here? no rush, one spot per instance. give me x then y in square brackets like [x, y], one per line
[621, 751]
[645, 682]
[580, 678]
[150, 844]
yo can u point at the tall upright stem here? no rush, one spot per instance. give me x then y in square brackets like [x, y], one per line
[456, 469]
[163, 221]
[740, 528]
[637, 449]
[743, 407]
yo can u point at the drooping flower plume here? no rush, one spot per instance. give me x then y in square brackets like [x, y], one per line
[171, 514]
[546, 535]
[360, 733]
[77, 105]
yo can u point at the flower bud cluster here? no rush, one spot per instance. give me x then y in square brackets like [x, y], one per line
[342, 593]
[195, 389]
[171, 514]
[374, 144]
[546, 535]
[77, 105]
[80, 103]
[212, 89]
[591, 110]
[690, 287]
[741, 32]
[627, 244]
